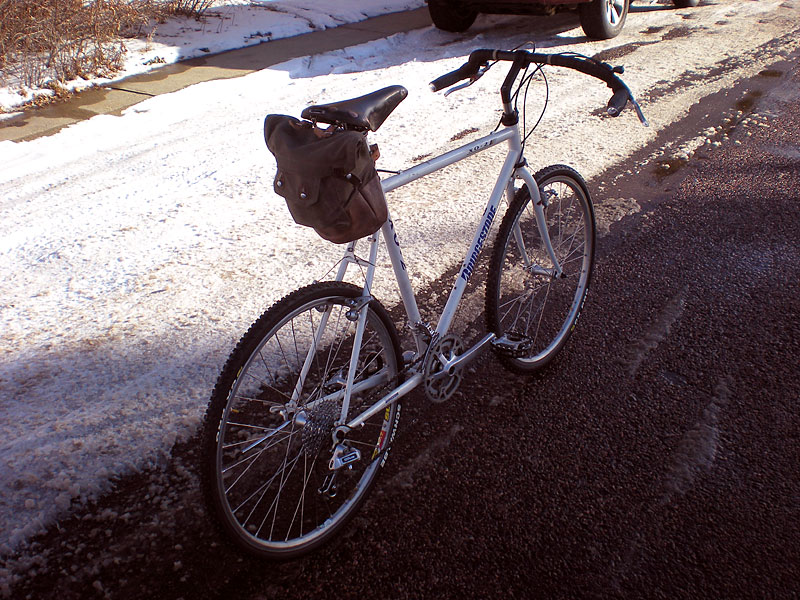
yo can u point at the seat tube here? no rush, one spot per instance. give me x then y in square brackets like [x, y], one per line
[400, 271]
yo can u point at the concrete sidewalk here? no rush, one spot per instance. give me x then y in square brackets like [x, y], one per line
[116, 97]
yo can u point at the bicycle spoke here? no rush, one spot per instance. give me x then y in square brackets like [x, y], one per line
[248, 425]
[241, 443]
[284, 478]
[250, 458]
[265, 384]
[301, 505]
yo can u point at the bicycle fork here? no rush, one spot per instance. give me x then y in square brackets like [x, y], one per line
[541, 223]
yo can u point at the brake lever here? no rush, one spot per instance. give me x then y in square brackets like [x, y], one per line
[458, 87]
[472, 80]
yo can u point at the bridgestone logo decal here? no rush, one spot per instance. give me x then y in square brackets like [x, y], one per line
[466, 272]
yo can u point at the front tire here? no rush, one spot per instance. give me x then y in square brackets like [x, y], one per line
[603, 19]
[451, 16]
[523, 298]
[266, 475]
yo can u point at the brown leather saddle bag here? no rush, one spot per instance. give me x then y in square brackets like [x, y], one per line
[328, 179]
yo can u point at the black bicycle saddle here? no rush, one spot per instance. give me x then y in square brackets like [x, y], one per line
[364, 112]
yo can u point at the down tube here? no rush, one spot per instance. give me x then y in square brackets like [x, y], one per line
[480, 237]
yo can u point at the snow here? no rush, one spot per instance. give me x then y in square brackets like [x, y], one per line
[227, 24]
[135, 250]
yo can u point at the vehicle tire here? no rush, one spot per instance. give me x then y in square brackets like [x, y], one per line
[265, 471]
[686, 3]
[524, 300]
[451, 16]
[603, 19]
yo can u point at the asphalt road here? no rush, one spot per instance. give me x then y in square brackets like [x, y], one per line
[657, 458]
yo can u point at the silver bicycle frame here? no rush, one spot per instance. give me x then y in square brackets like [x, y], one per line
[512, 168]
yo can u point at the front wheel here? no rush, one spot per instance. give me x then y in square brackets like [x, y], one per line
[268, 475]
[525, 299]
[603, 19]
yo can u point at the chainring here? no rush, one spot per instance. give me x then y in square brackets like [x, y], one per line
[439, 385]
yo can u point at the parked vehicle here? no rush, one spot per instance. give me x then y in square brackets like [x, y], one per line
[600, 19]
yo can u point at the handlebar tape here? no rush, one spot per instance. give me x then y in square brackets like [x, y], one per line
[618, 101]
[478, 57]
[465, 71]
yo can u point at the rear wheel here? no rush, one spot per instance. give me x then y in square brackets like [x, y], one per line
[268, 439]
[448, 15]
[525, 299]
[603, 19]
[686, 3]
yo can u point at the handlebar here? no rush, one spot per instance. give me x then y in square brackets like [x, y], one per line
[617, 102]
[523, 58]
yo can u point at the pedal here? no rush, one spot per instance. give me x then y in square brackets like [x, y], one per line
[513, 344]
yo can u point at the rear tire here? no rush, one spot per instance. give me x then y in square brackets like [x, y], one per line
[265, 471]
[686, 3]
[603, 19]
[451, 16]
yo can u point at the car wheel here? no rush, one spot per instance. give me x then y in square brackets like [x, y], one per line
[450, 16]
[686, 3]
[603, 19]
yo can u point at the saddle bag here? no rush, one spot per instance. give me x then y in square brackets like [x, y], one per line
[328, 179]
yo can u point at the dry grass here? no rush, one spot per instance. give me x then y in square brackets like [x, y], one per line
[69, 39]
[191, 8]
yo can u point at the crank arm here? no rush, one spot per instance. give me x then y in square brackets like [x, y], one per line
[450, 368]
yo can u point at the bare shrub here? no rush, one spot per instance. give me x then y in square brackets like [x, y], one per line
[190, 8]
[66, 39]
[69, 39]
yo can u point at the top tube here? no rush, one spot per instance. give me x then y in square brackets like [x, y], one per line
[447, 159]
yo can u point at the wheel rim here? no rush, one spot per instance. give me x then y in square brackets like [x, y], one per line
[614, 11]
[273, 491]
[532, 303]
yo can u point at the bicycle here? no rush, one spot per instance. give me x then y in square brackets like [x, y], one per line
[304, 412]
